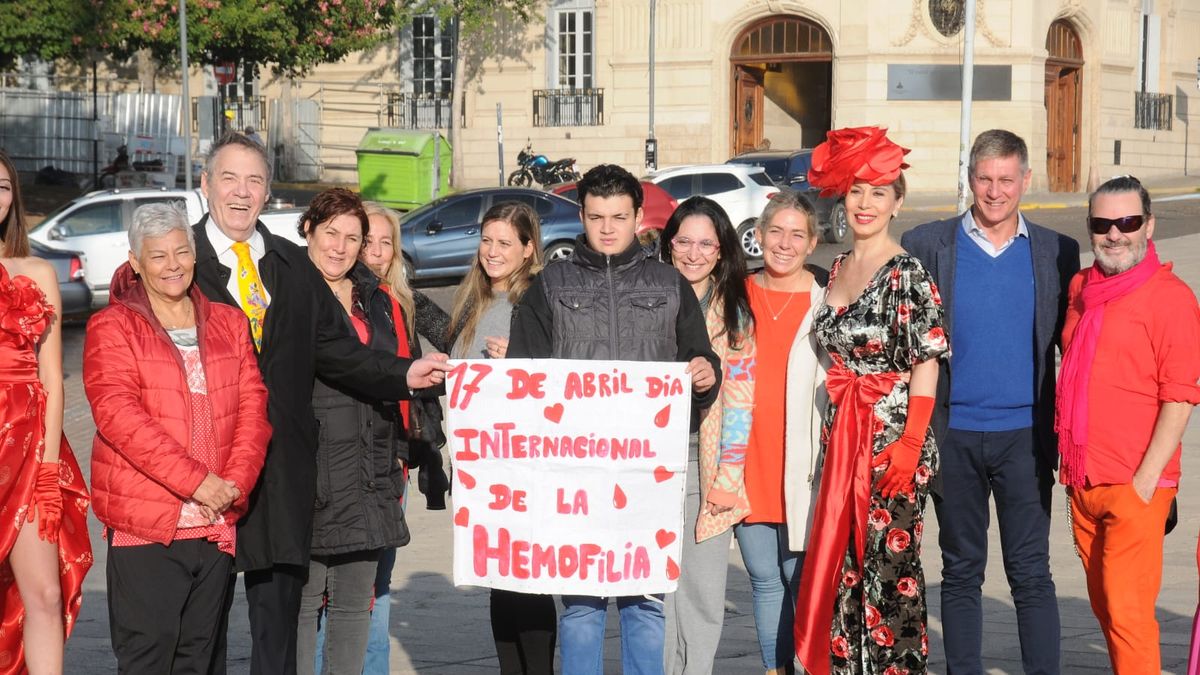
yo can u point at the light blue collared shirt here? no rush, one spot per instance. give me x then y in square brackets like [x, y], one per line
[977, 235]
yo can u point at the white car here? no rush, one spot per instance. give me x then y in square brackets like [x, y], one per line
[96, 225]
[742, 191]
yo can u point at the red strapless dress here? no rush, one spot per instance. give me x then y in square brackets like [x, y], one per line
[24, 317]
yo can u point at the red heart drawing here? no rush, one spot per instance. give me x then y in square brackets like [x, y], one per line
[662, 474]
[664, 538]
[663, 416]
[462, 517]
[672, 569]
[467, 480]
[619, 500]
[554, 412]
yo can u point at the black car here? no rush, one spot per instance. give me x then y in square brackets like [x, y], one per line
[441, 239]
[789, 168]
[68, 266]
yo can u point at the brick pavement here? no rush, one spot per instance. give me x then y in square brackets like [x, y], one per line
[437, 628]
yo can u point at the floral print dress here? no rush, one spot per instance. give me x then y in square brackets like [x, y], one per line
[879, 616]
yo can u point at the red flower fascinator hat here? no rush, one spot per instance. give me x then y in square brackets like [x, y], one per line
[852, 155]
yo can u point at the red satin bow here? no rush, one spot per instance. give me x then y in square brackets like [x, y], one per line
[842, 505]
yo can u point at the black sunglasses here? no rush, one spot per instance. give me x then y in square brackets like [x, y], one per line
[1126, 225]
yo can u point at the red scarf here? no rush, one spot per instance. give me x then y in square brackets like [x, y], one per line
[1071, 418]
[402, 349]
[842, 505]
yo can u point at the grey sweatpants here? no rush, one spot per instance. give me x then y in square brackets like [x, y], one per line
[696, 611]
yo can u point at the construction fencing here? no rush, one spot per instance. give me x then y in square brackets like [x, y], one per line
[313, 128]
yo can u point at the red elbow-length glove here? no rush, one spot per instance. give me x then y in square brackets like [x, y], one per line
[47, 497]
[903, 455]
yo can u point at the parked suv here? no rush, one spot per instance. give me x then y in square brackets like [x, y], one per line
[789, 168]
[96, 225]
[742, 191]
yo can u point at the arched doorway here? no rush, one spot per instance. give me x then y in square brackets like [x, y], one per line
[782, 85]
[1064, 106]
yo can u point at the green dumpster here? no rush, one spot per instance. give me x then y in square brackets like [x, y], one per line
[403, 168]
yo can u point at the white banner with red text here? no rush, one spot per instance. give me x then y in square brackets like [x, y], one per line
[568, 475]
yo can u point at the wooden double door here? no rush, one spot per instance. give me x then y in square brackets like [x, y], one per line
[1064, 112]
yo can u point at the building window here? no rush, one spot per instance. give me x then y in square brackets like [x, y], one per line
[947, 16]
[432, 54]
[1152, 111]
[567, 107]
[570, 45]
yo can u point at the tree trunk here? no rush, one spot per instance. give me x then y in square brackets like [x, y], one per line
[457, 98]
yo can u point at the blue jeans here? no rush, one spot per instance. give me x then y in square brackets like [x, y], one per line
[581, 634]
[976, 464]
[774, 579]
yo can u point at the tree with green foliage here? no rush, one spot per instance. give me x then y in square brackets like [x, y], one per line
[481, 26]
[44, 29]
[289, 36]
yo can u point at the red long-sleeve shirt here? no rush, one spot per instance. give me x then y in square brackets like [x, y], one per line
[1148, 353]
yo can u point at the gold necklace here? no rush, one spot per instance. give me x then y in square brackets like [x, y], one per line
[767, 299]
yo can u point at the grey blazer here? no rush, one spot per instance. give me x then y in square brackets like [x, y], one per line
[1055, 261]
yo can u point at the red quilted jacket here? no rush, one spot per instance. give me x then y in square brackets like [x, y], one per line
[135, 381]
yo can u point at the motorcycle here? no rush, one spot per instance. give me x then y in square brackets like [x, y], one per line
[539, 168]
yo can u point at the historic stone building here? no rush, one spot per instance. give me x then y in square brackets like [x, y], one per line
[1097, 87]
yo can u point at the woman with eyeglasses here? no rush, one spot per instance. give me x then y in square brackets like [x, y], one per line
[701, 243]
[788, 397]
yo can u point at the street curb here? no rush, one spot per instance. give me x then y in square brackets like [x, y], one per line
[1075, 200]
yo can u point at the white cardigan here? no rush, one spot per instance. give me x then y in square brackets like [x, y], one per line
[806, 401]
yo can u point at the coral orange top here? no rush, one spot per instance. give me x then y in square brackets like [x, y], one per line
[764, 452]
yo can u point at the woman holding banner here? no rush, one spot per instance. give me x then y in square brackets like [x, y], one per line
[360, 475]
[524, 625]
[701, 243]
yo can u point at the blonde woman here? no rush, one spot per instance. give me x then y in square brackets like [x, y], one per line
[523, 625]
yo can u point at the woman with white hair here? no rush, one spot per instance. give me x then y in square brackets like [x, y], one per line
[181, 434]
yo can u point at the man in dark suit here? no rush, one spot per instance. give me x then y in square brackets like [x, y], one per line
[1004, 283]
[297, 330]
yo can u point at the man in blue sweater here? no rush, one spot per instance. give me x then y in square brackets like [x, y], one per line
[1004, 286]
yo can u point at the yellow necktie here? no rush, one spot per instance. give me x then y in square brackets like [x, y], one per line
[254, 301]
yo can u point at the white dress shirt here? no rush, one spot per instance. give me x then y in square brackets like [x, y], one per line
[977, 235]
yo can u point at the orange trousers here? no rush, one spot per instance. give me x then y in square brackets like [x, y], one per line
[1120, 539]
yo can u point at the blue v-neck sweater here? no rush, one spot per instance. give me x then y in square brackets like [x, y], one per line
[991, 339]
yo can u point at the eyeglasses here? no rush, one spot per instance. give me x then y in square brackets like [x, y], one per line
[1128, 224]
[684, 244]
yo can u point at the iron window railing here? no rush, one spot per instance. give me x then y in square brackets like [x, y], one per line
[568, 107]
[418, 111]
[1152, 111]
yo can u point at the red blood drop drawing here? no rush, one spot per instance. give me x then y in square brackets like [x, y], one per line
[672, 569]
[662, 474]
[664, 538]
[554, 412]
[467, 480]
[619, 500]
[663, 416]
[462, 517]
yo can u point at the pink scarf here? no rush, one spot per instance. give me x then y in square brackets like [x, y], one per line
[1071, 420]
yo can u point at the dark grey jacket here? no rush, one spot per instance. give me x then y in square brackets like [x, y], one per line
[1055, 261]
[623, 307]
[360, 445]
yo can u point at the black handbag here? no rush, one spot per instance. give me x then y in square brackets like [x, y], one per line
[425, 440]
[1173, 515]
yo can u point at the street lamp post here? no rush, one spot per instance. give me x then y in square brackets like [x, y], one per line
[968, 84]
[651, 142]
[185, 104]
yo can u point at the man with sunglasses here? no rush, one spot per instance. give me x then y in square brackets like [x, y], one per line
[1003, 282]
[1127, 387]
